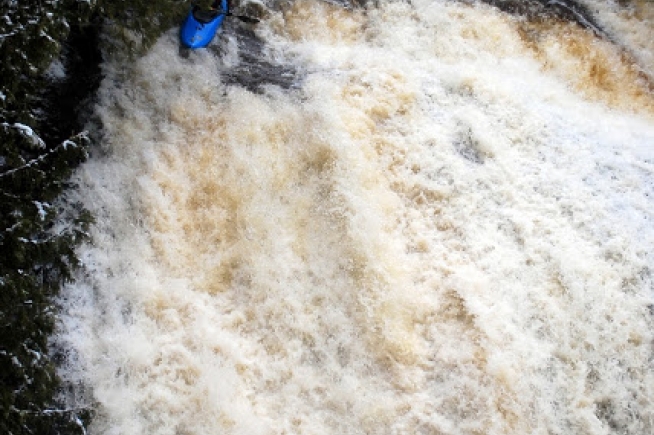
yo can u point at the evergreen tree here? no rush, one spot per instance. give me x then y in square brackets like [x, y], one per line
[138, 23]
[34, 259]
[38, 231]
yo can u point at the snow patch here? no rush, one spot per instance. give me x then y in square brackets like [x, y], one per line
[56, 70]
[27, 131]
[42, 208]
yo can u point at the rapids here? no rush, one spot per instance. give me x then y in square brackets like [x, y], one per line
[439, 222]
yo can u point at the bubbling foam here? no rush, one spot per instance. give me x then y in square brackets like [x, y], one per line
[435, 234]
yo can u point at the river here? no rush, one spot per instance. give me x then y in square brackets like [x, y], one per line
[431, 217]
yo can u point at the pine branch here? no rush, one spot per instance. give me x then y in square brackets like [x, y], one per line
[64, 145]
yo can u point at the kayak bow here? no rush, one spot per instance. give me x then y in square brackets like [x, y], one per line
[201, 26]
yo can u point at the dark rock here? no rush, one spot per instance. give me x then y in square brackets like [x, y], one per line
[253, 70]
[538, 10]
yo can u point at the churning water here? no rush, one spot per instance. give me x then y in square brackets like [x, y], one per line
[440, 223]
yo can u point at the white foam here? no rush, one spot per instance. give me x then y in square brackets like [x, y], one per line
[434, 235]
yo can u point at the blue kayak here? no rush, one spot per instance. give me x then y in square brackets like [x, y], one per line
[201, 26]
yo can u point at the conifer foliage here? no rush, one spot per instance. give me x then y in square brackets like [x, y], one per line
[143, 19]
[34, 258]
[38, 229]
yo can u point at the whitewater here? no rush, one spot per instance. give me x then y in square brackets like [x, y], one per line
[442, 225]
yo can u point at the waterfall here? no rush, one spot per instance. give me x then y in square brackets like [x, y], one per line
[438, 222]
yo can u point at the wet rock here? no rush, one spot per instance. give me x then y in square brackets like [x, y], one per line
[538, 10]
[254, 71]
[253, 9]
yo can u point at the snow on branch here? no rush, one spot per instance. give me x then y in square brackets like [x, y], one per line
[29, 133]
[26, 131]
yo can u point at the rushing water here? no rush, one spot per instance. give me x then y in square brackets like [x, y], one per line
[439, 223]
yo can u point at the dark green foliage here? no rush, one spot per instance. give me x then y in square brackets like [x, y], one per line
[138, 23]
[38, 230]
[34, 259]
[31, 35]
